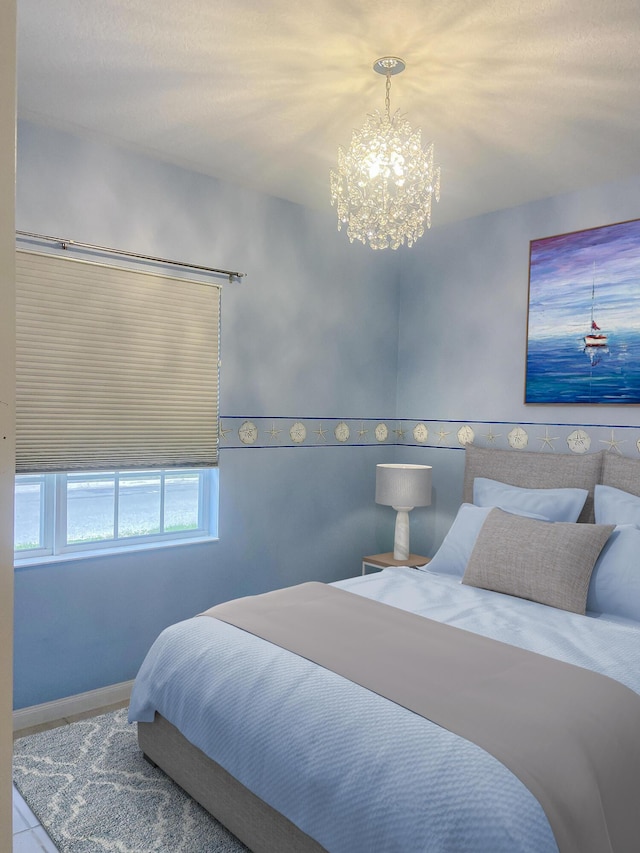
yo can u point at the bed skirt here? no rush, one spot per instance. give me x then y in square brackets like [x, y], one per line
[250, 819]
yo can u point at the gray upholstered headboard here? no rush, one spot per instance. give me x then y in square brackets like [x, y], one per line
[621, 473]
[533, 470]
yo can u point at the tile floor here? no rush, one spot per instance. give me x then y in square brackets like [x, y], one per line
[28, 835]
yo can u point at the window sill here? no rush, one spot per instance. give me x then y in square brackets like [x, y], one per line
[121, 551]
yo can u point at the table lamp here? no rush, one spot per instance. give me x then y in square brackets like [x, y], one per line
[403, 487]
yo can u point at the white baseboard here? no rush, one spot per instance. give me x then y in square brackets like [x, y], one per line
[59, 709]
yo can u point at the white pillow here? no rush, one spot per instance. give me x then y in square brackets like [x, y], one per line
[552, 504]
[615, 582]
[613, 506]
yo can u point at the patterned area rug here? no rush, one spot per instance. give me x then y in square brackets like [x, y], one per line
[91, 789]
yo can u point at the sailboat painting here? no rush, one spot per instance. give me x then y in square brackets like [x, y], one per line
[583, 328]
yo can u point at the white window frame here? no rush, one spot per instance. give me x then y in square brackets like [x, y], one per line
[53, 517]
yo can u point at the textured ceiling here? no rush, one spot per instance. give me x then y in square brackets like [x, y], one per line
[523, 98]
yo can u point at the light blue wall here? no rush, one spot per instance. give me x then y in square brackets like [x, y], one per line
[320, 329]
[462, 341]
[312, 331]
[286, 516]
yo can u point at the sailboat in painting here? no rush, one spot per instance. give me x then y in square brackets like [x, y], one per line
[595, 337]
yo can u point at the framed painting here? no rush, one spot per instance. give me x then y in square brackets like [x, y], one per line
[583, 324]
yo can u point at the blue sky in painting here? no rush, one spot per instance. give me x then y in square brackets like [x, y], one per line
[561, 275]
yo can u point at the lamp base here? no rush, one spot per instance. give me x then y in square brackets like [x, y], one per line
[401, 540]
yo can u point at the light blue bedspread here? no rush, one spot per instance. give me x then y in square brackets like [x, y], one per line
[353, 770]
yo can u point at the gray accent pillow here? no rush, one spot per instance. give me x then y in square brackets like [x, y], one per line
[543, 561]
[534, 470]
[621, 473]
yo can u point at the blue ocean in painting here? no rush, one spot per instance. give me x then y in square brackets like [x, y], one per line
[563, 370]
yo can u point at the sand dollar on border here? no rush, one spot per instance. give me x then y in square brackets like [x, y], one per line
[518, 438]
[578, 441]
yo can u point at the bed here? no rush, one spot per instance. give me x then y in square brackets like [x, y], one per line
[296, 758]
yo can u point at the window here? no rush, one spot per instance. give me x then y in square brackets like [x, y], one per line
[62, 514]
[116, 368]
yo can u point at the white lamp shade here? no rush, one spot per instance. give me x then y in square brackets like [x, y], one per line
[403, 485]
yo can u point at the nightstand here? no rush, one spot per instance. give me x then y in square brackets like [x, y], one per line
[385, 561]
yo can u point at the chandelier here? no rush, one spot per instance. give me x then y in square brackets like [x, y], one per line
[384, 183]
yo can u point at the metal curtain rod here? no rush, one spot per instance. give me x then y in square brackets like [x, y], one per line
[64, 243]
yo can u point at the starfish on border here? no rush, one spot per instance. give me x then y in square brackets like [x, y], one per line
[442, 435]
[400, 433]
[321, 433]
[223, 433]
[362, 431]
[491, 436]
[546, 439]
[273, 433]
[613, 443]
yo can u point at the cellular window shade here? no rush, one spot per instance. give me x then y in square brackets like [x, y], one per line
[116, 368]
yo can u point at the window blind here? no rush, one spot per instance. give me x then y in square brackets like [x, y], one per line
[116, 368]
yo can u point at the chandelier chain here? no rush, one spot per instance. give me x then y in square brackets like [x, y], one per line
[387, 100]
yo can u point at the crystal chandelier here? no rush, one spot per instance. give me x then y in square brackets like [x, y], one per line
[383, 185]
